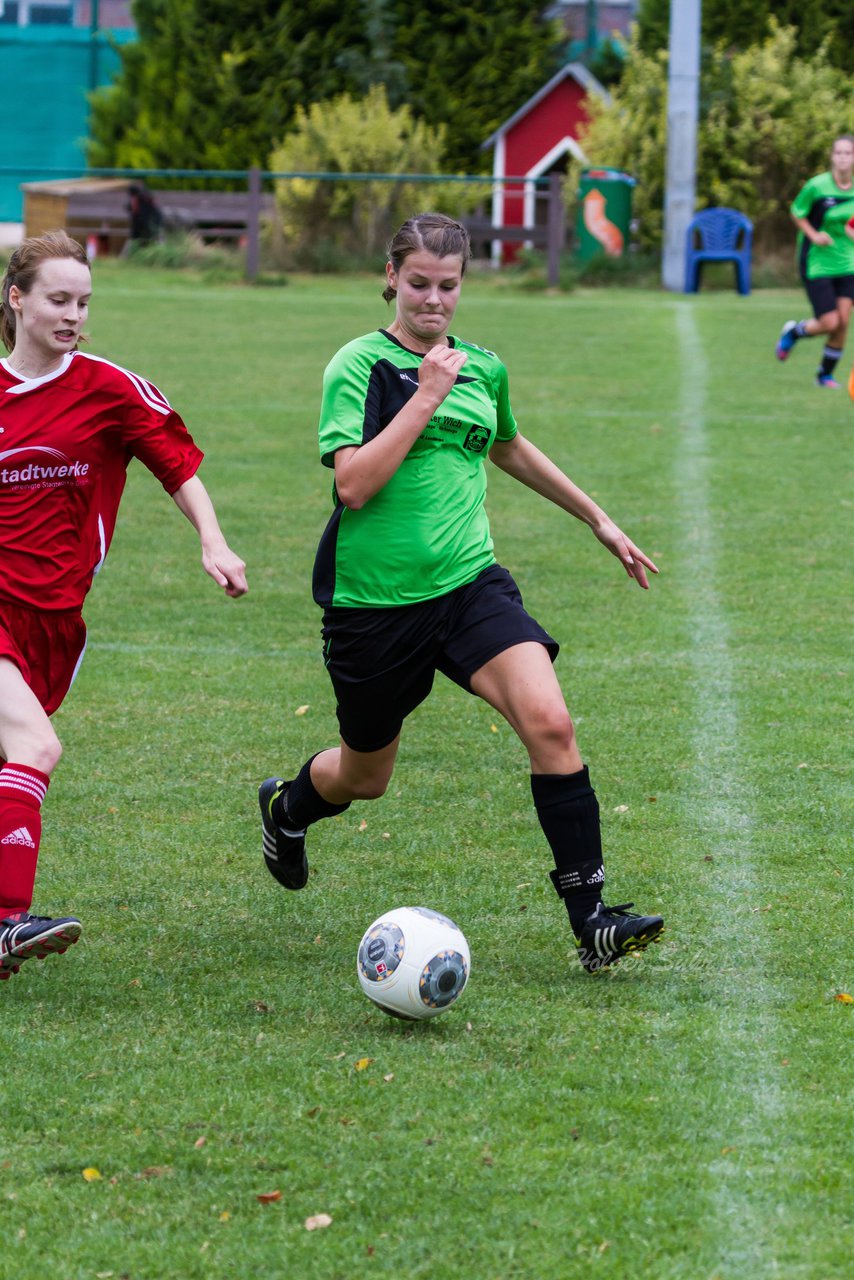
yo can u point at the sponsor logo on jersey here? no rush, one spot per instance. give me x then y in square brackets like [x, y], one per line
[52, 468]
[477, 439]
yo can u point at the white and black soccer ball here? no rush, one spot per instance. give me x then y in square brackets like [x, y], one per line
[413, 963]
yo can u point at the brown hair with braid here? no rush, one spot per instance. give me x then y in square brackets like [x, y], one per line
[434, 232]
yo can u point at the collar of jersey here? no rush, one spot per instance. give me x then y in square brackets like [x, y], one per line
[30, 384]
[452, 342]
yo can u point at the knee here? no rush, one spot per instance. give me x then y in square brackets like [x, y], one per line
[42, 751]
[555, 729]
[831, 320]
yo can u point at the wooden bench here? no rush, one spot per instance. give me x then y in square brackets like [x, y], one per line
[213, 215]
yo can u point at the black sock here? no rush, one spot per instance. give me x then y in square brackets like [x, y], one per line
[800, 329]
[305, 804]
[829, 360]
[568, 811]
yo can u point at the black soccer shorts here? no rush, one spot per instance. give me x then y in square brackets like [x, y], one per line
[382, 662]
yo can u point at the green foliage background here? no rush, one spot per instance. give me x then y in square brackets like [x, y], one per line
[768, 116]
[738, 23]
[355, 135]
[214, 85]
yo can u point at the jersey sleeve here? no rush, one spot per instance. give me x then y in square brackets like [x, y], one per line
[153, 432]
[505, 423]
[344, 407]
[803, 201]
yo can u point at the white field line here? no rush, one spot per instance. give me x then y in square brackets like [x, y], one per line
[720, 804]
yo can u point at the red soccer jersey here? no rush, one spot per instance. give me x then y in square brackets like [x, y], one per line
[66, 441]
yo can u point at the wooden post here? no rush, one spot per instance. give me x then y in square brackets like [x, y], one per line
[253, 224]
[556, 229]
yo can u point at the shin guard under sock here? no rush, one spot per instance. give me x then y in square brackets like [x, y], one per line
[305, 804]
[22, 790]
[568, 811]
[830, 357]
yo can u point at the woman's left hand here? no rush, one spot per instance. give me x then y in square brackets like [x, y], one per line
[634, 561]
[226, 568]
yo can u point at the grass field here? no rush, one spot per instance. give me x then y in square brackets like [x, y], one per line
[684, 1116]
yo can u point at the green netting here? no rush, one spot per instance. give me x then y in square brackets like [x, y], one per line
[47, 74]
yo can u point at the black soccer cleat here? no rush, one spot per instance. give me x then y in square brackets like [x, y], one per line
[283, 847]
[611, 932]
[26, 937]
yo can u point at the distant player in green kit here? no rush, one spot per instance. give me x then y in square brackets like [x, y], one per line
[408, 582]
[821, 211]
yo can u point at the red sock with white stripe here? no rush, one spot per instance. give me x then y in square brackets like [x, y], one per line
[22, 791]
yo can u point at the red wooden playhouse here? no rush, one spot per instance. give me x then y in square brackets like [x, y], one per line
[536, 141]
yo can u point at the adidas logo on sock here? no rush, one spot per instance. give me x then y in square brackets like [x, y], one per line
[21, 836]
[598, 876]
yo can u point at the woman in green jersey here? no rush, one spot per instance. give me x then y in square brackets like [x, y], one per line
[821, 211]
[408, 582]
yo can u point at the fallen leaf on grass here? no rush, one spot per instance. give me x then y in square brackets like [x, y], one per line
[155, 1171]
[844, 998]
[493, 728]
[388, 1079]
[224, 1216]
[268, 1197]
[621, 808]
[363, 826]
[362, 1063]
[300, 711]
[91, 1174]
[200, 1142]
[317, 1221]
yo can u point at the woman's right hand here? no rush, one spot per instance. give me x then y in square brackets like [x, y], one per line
[821, 238]
[439, 370]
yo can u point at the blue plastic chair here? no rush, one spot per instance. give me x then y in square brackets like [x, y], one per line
[718, 235]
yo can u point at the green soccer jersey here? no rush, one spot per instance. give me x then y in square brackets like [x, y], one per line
[426, 531]
[827, 208]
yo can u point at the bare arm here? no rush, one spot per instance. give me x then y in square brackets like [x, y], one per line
[226, 568]
[361, 471]
[817, 237]
[523, 461]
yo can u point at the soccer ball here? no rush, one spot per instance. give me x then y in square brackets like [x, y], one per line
[413, 963]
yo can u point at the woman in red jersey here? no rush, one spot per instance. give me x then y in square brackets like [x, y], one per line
[70, 424]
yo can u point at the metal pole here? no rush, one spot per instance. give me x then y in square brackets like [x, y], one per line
[253, 224]
[681, 173]
[592, 38]
[556, 229]
[93, 45]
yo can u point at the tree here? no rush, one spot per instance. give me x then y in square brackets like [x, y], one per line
[211, 84]
[355, 135]
[737, 24]
[767, 119]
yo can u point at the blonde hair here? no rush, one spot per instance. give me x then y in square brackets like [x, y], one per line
[23, 267]
[434, 232]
